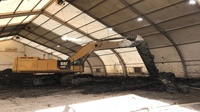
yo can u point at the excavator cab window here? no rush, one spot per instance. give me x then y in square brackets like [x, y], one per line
[77, 62]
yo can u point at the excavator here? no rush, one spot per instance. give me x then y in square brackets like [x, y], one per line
[66, 69]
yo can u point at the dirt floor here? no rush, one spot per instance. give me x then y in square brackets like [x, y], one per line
[102, 95]
[59, 99]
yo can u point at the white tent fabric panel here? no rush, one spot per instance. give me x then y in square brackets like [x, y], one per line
[67, 13]
[110, 59]
[190, 51]
[166, 54]
[38, 30]
[176, 68]
[86, 64]
[4, 22]
[40, 19]
[103, 33]
[98, 71]
[172, 12]
[94, 26]
[32, 36]
[114, 70]
[131, 71]
[6, 33]
[17, 6]
[6, 38]
[81, 20]
[94, 61]
[41, 40]
[63, 56]
[131, 57]
[50, 24]
[33, 44]
[34, 52]
[9, 6]
[53, 8]
[186, 35]
[41, 47]
[11, 44]
[23, 40]
[131, 25]
[103, 52]
[181, 22]
[29, 18]
[131, 49]
[80, 41]
[193, 69]
[143, 31]
[58, 40]
[75, 47]
[29, 51]
[83, 40]
[27, 5]
[87, 70]
[62, 30]
[49, 50]
[41, 4]
[17, 20]
[50, 44]
[149, 6]
[120, 16]
[56, 53]
[9, 37]
[193, 75]
[6, 59]
[70, 53]
[23, 32]
[73, 34]
[157, 40]
[68, 44]
[97, 66]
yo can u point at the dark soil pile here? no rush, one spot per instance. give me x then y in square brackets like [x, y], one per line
[7, 78]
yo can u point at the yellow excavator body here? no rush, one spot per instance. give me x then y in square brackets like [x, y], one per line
[37, 65]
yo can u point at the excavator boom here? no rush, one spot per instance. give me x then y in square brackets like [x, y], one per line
[129, 41]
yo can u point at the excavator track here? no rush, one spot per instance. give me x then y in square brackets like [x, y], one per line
[41, 80]
[64, 80]
[75, 80]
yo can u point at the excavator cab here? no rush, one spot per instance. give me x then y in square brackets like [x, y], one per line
[77, 62]
[77, 66]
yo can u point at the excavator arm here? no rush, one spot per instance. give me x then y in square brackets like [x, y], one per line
[128, 41]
